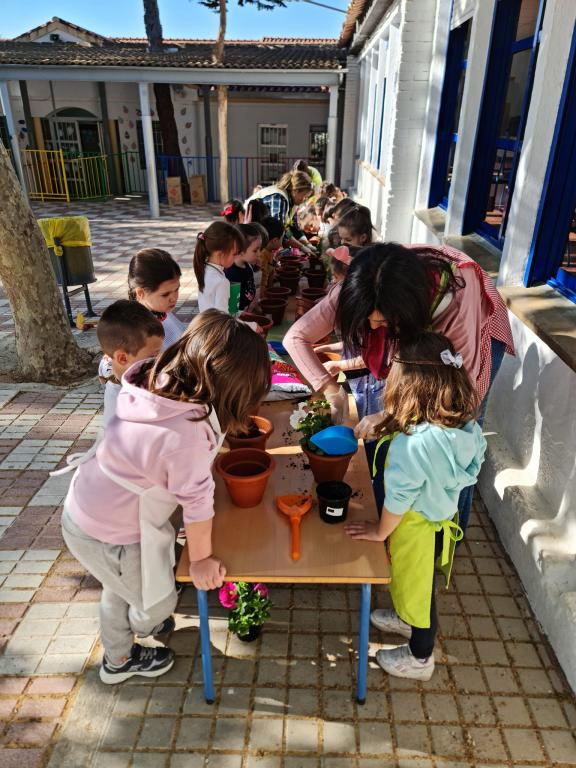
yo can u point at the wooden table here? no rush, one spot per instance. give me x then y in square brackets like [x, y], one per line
[254, 544]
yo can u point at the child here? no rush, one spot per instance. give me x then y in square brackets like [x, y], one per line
[331, 216]
[436, 450]
[275, 232]
[355, 226]
[233, 212]
[154, 281]
[255, 212]
[127, 332]
[242, 270]
[215, 251]
[172, 414]
[340, 260]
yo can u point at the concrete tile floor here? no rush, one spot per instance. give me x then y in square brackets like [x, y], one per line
[497, 698]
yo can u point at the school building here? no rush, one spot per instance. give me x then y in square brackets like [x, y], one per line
[459, 127]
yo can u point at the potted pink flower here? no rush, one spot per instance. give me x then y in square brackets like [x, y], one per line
[249, 607]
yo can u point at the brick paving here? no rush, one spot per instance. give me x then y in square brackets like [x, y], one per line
[498, 697]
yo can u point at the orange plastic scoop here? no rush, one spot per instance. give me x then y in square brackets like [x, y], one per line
[295, 507]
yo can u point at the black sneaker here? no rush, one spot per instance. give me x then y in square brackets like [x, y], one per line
[163, 628]
[147, 662]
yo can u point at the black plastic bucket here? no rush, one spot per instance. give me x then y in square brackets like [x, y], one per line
[333, 498]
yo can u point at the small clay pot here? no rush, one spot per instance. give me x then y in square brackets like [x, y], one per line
[288, 269]
[289, 280]
[290, 259]
[303, 305]
[264, 322]
[327, 468]
[252, 634]
[275, 308]
[263, 428]
[333, 498]
[277, 292]
[245, 472]
[313, 293]
[315, 279]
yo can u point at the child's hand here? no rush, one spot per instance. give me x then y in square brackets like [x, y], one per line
[208, 573]
[334, 367]
[364, 530]
[365, 429]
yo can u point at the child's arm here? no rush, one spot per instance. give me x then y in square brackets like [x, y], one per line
[374, 531]
[206, 571]
[338, 346]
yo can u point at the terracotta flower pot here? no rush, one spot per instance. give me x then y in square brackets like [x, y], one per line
[275, 308]
[313, 293]
[327, 468]
[291, 259]
[245, 472]
[288, 269]
[303, 305]
[264, 322]
[263, 430]
[315, 279]
[277, 292]
[289, 280]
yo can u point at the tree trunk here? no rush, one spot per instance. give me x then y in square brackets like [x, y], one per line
[45, 347]
[163, 97]
[222, 108]
[223, 141]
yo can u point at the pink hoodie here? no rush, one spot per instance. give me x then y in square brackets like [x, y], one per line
[150, 441]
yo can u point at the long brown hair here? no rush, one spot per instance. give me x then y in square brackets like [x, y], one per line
[219, 236]
[420, 387]
[219, 362]
[296, 181]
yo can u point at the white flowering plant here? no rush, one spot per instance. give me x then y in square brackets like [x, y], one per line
[309, 418]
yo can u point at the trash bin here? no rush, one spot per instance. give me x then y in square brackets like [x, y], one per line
[69, 244]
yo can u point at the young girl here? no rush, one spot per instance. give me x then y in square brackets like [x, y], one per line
[171, 417]
[242, 270]
[436, 450]
[215, 251]
[233, 212]
[355, 226]
[154, 281]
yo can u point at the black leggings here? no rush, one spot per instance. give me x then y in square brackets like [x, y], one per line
[422, 641]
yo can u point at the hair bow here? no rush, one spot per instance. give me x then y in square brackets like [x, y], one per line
[449, 359]
[341, 253]
[201, 236]
[227, 211]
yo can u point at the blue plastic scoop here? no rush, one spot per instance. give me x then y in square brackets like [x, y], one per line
[335, 441]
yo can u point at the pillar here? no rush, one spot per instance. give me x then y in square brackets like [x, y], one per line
[153, 200]
[12, 131]
[332, 134]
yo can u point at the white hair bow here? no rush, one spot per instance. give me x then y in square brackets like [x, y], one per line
[449, 359]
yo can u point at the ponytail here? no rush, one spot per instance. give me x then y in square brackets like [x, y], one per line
[219, 236]
[148, 269]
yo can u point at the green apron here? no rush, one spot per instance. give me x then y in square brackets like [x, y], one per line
[411, 548]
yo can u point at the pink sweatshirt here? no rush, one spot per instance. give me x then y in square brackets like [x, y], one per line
[151, 441]
[466, 321]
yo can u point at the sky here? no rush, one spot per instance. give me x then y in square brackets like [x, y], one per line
[180, 18]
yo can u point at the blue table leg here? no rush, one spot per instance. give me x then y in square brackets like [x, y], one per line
[363, 643]
[205, 646]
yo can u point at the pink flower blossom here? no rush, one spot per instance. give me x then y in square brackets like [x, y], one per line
[261, 589]
[227, 595]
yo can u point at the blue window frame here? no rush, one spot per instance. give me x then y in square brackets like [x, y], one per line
[450, 105]
[552, 257]
[505, 101]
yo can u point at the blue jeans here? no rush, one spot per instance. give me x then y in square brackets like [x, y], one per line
[466, 495]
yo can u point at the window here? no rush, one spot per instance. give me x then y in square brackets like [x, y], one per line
[156, 136]
[450, 106]
[317, 147]
[272, 145]
[505, 101]
[552, 257]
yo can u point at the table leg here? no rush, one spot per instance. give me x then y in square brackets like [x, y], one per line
[363, 643]
[205, 646]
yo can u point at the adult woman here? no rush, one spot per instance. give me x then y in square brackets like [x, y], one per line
[282, 199]
[390, 295]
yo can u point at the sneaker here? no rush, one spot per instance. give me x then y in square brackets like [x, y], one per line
[388, 620]
[399, 662]
[163, 628]
[147, 662]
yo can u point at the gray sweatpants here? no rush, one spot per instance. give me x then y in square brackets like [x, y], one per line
[117, 568]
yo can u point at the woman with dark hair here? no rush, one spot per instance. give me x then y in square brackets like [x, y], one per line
[391, 294]
[314, 173]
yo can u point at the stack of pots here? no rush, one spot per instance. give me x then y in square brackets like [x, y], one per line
[275, 307]
[288, 275]
[307, 299]
[262, 320]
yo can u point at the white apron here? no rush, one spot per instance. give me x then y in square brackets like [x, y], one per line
[156, 505]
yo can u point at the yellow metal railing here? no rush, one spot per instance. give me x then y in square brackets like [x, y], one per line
[51, 175]
[45, 174]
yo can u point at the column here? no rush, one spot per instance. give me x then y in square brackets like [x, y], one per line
[332, 134]
[12, 131]
[153, 201]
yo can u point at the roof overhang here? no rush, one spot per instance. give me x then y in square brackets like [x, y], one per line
[198, 76]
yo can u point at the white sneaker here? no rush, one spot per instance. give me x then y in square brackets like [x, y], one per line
[388, 620]
[399, 662]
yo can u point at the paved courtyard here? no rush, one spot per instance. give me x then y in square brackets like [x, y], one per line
[498, 697]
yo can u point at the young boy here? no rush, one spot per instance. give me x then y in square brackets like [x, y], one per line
[242, 270]
[275, 231]
[127, 332]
